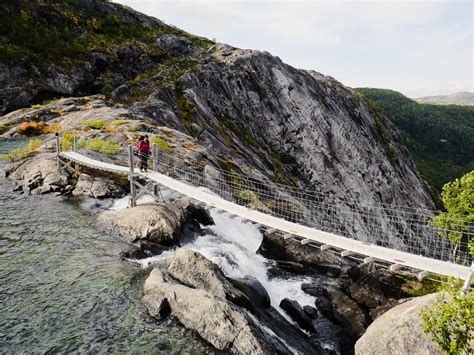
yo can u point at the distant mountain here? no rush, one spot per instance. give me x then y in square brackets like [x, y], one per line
[464, 98]
[440, 138]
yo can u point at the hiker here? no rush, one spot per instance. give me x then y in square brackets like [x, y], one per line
[143, 152]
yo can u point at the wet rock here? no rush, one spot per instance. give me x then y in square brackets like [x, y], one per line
[399, 331]
[200, 214]
[193, 269]
[296, 312]
[216, 320]
[294, 267]
[157, 223]
[146, 250]
[254, 290]
[97, 187]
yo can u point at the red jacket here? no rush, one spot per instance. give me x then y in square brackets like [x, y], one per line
[144, 146]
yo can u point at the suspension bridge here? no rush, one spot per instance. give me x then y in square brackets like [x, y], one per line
[397, 237]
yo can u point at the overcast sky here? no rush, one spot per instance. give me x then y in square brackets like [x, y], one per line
[419, 48]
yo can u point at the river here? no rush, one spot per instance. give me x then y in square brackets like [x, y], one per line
[64, 287]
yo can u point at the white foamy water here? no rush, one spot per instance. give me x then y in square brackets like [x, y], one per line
[232, 245]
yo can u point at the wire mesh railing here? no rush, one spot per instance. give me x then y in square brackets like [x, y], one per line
[405, 229]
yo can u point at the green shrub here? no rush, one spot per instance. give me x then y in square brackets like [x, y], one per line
[107, 89]
[450, 321]
[95, 124]
[162, 144]
[104, 146]
[3, 128]
[67, 140]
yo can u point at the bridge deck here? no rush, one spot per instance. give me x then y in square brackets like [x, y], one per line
[380, 253]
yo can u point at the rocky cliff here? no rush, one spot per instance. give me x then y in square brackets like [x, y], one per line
[258, 115]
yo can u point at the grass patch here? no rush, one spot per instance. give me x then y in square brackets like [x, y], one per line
[106, 146]
[119, 122]
[3, 128]
[34, 144]
[95, 124]
[162, 144]
[67, 140]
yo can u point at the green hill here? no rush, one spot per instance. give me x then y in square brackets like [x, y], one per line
[440, 138]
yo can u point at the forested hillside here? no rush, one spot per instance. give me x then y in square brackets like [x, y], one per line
[440, 138]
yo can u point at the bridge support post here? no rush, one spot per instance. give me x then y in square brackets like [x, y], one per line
[468, 281]
[58, 151]
[133, 191]
[74, 146]
[154, 156]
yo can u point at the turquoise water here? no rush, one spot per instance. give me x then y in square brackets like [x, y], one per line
[64, 288]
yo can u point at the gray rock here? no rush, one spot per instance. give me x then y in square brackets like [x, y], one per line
[157, 305]
[254, 290]
[378, 291]
[399, 331]
[38, 173]
[97, 187]
[193, 269]
[157, 223]
[216, 320]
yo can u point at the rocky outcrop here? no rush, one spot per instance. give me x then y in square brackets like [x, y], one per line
[399, 331]
[203, 304]
[220, 322]
[156, 223]
[38, 174]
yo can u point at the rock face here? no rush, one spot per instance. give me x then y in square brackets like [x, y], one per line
[399, 331]
[157, 223]
[205, 307]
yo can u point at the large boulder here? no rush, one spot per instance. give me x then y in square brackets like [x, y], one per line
[399, 331]
[97, 187]
[218, 321]
[154, 222]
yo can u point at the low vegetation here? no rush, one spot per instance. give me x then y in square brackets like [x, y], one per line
[119, 122]
[95, 124]
[3, 128]
[450, 320]
[457, 222]
[104, 146]
[67, 140]
[161, 144]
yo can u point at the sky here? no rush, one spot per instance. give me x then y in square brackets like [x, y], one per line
[417, 47]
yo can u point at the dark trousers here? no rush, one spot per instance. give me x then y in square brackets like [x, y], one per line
[143, 160]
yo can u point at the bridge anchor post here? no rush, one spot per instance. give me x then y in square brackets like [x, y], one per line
[58, 151]
[133, 191]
